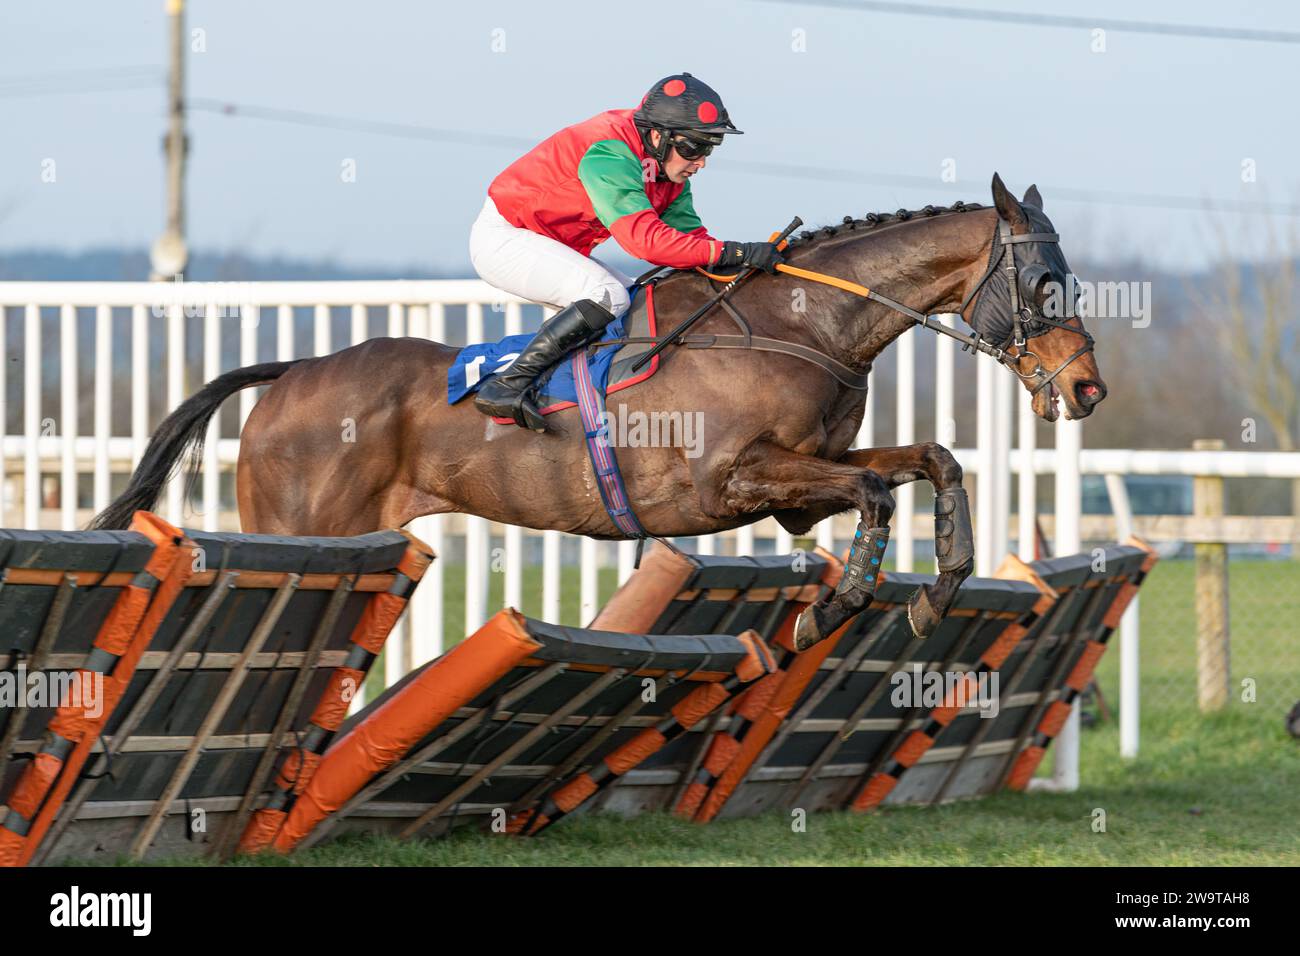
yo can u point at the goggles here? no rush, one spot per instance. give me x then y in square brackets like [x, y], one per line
[689, 149]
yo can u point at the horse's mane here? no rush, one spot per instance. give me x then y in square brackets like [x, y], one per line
[811, 238]
[874, 220]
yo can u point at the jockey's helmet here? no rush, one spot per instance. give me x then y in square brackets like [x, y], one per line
[681, 105]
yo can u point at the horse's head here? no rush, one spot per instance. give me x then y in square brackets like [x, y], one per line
[1024, 304]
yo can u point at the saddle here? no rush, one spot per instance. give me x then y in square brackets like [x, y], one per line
[609, 366]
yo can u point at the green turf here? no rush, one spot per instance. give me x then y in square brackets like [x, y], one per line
[1206, 790]
[1216, 792]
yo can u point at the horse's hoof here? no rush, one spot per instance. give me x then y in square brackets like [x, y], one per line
[921, 615]
[806, 632]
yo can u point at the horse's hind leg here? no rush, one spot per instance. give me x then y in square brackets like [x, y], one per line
[953, 540]
[769, 478]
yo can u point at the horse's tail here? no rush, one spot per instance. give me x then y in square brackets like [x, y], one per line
[185, 428]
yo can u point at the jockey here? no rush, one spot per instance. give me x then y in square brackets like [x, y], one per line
[623, 173]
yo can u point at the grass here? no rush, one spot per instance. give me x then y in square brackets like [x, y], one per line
[1205, 792]
[1214, 790]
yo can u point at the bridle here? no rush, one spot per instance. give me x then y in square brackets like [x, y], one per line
[1026, 321]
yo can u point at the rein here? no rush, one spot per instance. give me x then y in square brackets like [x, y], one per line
[1025, 322]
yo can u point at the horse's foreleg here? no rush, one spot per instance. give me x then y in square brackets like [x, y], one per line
[769, 478]
[953, 538]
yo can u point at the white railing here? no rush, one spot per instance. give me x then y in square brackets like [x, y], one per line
[231, 315]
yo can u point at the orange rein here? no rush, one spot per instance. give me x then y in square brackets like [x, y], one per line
[821, 277]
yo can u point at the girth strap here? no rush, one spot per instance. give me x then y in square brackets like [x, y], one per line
[591, 409]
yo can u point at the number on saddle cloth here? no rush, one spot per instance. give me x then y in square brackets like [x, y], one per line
[477, 362]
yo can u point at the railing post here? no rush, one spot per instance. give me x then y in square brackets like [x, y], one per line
[477, 534]
[589, 580]
[250, 320]
[1027, 504]
[1130, 686]
[284, 333]
[986, 557]
[1003, 416]
[426, 613]
[1069, 442]
[175, 495]
[514, 535]
[31, 416]
[103, 411]
[1212, 633]
[905, 434]
[140, 315]
[211, 487]
[69, 393]
[945, 421]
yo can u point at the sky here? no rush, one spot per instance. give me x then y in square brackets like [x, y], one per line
[844, 112]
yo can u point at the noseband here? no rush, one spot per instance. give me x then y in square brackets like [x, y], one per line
[1026, 321]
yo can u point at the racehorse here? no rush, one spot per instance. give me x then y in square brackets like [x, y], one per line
[362, 439]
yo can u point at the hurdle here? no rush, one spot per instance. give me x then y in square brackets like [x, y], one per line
[114, 587]
[846, 721]
[673, 591]
[963, 766]
[671, 595]
[492, 726]
[1051, 643]
[248, 652]
[1115, 580]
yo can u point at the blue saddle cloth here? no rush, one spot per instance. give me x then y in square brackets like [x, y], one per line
[476, 363]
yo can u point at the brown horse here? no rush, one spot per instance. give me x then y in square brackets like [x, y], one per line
[362, 439]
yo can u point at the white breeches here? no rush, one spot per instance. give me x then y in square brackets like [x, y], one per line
[536, 267]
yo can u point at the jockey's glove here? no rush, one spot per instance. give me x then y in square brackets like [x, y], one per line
[757, 255]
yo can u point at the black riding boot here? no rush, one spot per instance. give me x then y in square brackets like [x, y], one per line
[508, 393]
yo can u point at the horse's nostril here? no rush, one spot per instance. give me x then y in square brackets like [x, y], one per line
[1089, 393]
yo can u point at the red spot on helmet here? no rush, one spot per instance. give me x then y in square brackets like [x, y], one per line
[707, 112]
[674, 88]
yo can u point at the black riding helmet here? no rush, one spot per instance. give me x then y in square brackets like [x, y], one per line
[682, 105]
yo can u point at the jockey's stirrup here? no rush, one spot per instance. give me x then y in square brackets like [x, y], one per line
[509, 393]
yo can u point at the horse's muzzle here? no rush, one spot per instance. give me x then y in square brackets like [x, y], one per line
[1088, 393]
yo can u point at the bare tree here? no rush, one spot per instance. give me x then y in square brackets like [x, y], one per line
[1256, 309]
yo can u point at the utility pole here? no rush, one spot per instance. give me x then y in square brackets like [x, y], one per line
[169, 254]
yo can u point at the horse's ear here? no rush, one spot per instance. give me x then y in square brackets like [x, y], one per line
[1033, 197]
[1006, 204]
